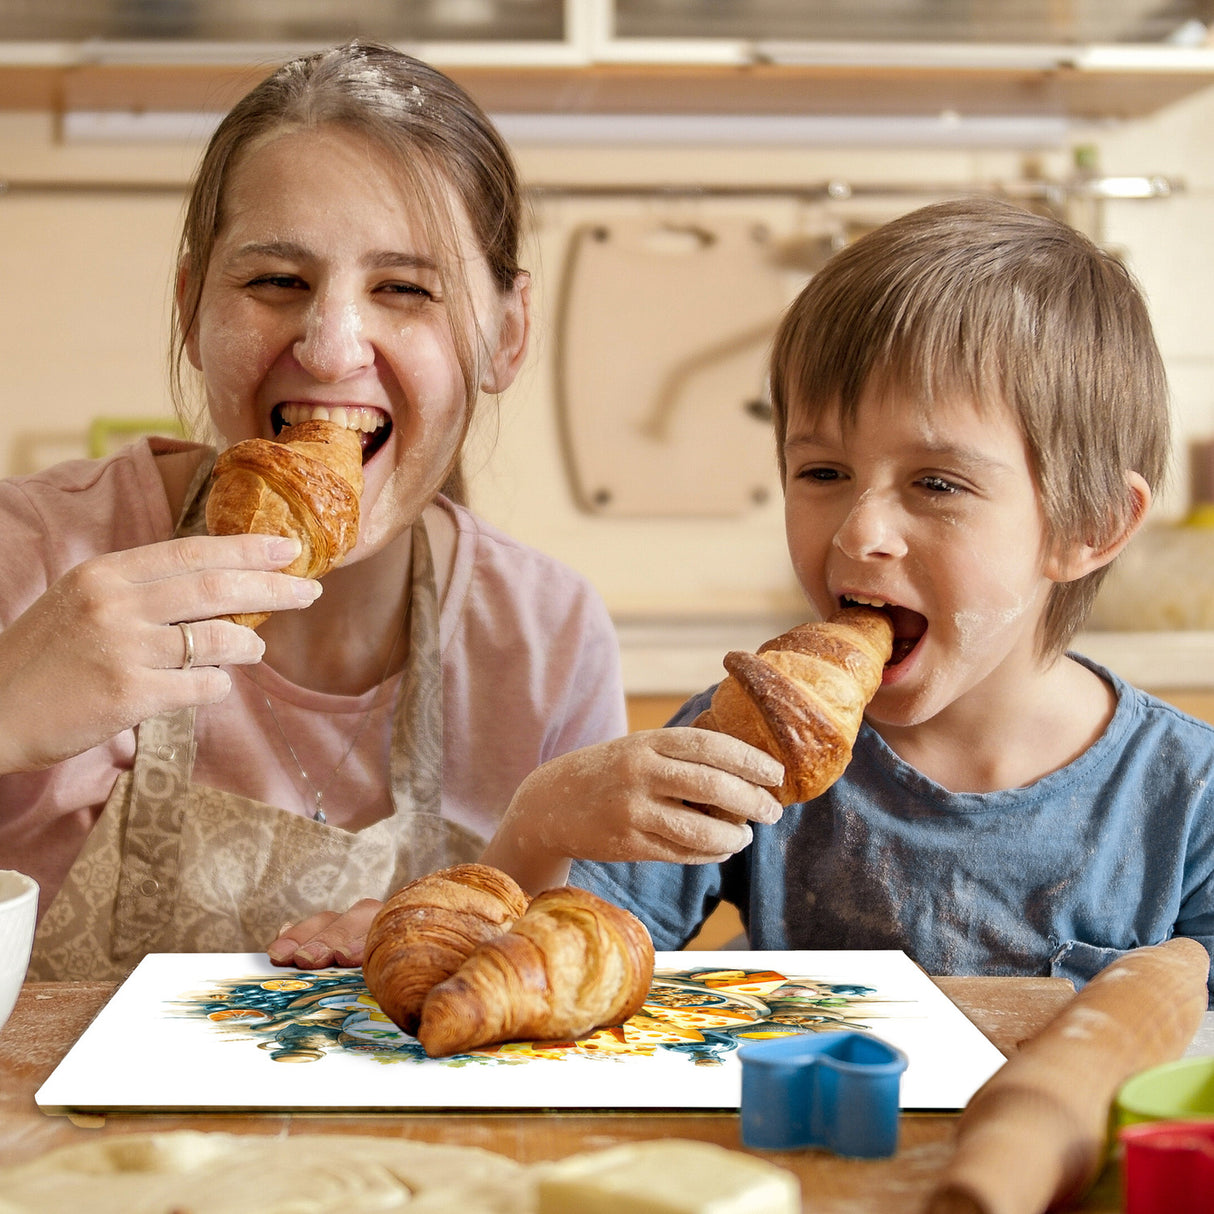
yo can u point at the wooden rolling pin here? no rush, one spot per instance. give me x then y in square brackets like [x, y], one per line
[1034, 1136]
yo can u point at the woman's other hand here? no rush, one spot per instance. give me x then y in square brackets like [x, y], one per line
[327, 938]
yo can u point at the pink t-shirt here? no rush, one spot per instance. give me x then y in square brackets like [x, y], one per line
[530, 665]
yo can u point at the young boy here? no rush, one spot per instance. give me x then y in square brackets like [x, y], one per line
[971, 418]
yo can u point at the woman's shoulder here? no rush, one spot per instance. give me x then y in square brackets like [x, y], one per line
[120, 496]
[502, 586]
[488, 554]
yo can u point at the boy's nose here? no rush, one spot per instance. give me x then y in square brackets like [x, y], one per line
[333, 343]
[870, 529]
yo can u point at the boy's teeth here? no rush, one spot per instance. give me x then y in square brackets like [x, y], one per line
[355, 417]
[863, 601]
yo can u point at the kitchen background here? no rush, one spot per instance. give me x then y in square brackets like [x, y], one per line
[691, 162]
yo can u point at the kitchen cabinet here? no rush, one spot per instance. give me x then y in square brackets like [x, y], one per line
[1116, 60]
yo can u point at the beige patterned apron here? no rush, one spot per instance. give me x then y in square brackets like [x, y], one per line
[171, 866]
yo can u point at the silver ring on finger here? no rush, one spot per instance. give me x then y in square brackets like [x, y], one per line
[187, 636]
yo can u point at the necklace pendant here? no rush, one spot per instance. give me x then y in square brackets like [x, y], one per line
[319, 815]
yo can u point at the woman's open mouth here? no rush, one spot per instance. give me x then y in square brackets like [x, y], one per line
[909, 626]
[373, 425]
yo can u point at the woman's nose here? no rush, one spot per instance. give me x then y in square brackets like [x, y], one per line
[871, 529]
[333, 343]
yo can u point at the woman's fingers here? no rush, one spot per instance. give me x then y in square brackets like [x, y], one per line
[327, 938]
[128, 635]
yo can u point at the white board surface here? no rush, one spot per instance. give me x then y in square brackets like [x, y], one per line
[219, 1031]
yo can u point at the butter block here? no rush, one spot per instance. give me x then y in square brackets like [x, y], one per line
[666, 1176]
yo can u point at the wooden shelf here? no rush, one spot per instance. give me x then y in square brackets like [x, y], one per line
[1068, 91]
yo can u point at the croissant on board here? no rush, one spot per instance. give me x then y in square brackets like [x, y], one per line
[308, 484]
[801, 698]
[425, 931]
[573, 963]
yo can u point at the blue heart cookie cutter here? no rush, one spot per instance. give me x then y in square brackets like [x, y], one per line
[837, 1090]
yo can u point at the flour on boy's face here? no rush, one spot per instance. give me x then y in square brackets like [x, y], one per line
[931, 512]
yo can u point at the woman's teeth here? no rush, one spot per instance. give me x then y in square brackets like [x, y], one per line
[349, 417]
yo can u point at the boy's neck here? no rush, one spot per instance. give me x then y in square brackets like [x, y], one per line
[991, 740]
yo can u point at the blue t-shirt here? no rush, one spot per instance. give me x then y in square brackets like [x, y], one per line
[1059, 878]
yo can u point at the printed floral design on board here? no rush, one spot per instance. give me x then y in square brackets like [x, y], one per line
[703, 1014]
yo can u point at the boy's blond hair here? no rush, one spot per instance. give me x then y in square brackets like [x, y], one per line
[980, 300]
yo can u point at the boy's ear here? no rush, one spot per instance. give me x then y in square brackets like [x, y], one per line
[1072, 561]
[514, 329]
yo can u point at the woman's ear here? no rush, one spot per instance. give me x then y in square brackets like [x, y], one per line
[1073, 561]
[513, 334]
[190, 343]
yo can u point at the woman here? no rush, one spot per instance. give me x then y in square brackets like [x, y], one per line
[178, 782]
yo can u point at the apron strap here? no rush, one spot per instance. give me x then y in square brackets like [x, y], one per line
[416, 771]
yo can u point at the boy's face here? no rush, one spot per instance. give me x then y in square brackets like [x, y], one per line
[934, 512]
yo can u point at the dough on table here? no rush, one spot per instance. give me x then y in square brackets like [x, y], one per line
[197, 1172]
[193, 1172]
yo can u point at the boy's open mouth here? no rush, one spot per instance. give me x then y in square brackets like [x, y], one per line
[909, 626]
[373, 425]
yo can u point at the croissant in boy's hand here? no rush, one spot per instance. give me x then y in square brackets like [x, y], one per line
[308, 485]
[801, 698]
[458, 960]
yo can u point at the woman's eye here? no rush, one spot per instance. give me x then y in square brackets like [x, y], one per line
[412, 289]
[283, 281]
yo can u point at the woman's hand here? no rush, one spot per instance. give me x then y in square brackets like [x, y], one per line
[684, 795]
[327, 938]
[102, 649]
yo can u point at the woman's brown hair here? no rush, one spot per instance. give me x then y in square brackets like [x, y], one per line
[442, 140]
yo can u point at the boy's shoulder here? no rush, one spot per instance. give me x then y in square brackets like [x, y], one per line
[1150, 742]
[1138, 709]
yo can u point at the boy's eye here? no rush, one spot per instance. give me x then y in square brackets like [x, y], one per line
[938, 484]
[819, 474]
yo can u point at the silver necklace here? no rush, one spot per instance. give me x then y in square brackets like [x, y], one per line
[318, 793]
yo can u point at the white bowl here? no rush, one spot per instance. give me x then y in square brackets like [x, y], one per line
[18, 910]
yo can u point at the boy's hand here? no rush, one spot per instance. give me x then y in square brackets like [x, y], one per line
[683, 795]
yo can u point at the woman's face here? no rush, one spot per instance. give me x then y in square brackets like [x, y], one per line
[323, 298]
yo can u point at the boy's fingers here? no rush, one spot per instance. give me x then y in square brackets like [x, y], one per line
[721, 751]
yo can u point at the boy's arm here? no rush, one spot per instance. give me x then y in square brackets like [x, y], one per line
[681, 795]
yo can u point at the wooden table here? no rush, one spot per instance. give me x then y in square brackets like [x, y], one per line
[49, 1017]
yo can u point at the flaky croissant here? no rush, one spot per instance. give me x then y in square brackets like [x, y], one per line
[802, 697]
[308, 485]
[425, 931]
[573, 963]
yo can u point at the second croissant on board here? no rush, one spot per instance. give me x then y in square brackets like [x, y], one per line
[801, 698]
[427, 929]
[573, 963]
[308, 485]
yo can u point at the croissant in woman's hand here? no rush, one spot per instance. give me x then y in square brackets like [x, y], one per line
[573, 963]
[307, 485]
[426, 930]
[802, 697]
